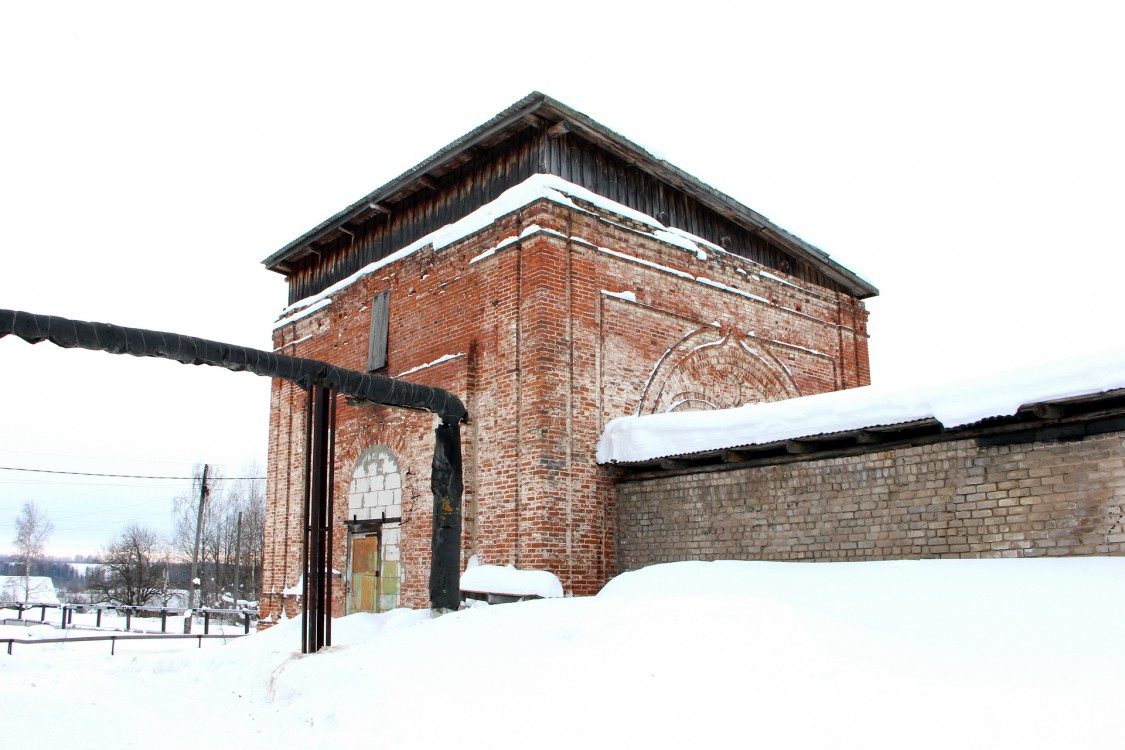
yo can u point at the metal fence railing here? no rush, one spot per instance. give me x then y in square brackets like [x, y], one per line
[67, 612]
[113, 639]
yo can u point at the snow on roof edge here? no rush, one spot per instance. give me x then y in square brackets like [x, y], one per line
[538, 186]
[953, 404]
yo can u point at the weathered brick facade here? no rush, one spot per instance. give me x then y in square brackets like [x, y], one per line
[554, 276]
[952, 498]
[585, 317]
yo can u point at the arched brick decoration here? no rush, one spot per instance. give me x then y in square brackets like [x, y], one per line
[375, 492]
[710, 369]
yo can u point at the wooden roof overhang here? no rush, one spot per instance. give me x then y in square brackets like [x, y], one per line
[555, 119]
[1066, 420]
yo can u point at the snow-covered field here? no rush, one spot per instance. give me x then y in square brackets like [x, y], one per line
[935, 653]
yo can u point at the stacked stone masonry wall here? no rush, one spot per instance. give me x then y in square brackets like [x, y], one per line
[949, 499]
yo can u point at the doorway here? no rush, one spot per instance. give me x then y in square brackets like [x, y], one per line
[374, 569]
[373, 580]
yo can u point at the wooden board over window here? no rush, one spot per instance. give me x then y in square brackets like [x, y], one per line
[380, 319]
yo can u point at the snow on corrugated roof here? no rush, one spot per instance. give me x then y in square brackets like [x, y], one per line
[954, 404]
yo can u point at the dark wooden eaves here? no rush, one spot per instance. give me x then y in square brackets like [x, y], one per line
[555, 119]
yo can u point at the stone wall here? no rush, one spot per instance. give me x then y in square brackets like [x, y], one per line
[945, 499]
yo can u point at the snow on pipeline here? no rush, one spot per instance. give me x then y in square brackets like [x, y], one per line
[911, 654]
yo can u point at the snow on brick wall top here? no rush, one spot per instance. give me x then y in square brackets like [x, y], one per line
[536, 187]
[954, 404]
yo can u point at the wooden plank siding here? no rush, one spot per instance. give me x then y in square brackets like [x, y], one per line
[488, 170]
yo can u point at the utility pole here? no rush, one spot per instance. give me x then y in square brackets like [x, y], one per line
[237, 558]
[195, 555]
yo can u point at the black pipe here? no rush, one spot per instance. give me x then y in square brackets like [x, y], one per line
[312, 375]
[445, 543]
[190, 350]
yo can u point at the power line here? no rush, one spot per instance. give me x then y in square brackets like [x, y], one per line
[115, 476]
[103, 511]
[119, 459]
[60, 482]
[109, 523]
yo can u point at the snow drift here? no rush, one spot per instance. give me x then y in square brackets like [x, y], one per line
[921, 654]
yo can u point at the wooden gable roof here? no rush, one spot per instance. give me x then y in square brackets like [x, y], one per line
[539, 134]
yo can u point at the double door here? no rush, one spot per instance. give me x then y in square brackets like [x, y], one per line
[373, 579]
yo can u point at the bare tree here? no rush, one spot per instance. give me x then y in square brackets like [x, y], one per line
[132, 568]
[251, 502]
[222, 548]
[33, 529]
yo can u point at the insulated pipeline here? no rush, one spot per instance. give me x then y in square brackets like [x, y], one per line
[190, 350]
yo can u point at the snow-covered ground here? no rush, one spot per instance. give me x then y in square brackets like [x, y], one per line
[935, 653]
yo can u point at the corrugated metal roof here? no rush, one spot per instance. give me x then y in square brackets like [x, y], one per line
[1091, 386]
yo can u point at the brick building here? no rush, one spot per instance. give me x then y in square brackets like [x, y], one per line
[554, 275]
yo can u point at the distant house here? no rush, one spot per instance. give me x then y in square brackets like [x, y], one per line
[36, 589]
[555, 276]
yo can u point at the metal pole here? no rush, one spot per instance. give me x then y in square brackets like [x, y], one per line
[330, 470]
[306, 554]
[316, 610]
[319, 486]
[237, 558]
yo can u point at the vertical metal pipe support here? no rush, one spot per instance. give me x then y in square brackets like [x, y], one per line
[306, 568]
[330, 471]
[316, 614]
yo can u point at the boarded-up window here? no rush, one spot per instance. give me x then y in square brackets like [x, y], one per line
[380, 320]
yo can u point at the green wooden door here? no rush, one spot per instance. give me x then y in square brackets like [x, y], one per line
[363, 596]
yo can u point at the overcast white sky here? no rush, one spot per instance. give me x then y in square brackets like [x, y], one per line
[967, 158]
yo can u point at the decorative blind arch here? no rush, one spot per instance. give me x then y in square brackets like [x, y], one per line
[710, 369]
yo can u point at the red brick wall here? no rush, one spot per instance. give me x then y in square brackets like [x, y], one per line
[546, 353]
